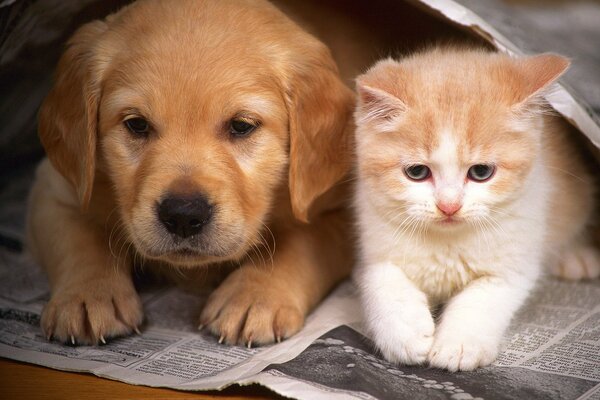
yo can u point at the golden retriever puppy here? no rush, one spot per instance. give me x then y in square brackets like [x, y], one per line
[191, 135]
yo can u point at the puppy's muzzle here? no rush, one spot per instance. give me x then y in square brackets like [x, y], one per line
[185, 216]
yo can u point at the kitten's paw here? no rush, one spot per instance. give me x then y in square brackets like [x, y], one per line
[406, 337]
[457, 351]
[579, 262]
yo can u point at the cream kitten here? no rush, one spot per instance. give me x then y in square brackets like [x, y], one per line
[466, 187]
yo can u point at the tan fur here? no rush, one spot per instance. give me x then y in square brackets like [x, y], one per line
[93, 207]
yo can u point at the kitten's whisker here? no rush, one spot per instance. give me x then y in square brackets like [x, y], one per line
[483, 229]
[422, 231]
[414, 223]
[503, 213]
[493, 224]
[482, 236]
[510, 215]
[498, 228]
[473, 224]
[567, 173]
[393, 214]
[404, 232]
[404, 227]
[495, 228]
[401, 225]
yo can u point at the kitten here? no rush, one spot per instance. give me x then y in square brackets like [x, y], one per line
[466, 187]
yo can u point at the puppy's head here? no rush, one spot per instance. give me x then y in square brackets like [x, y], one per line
[199, 121]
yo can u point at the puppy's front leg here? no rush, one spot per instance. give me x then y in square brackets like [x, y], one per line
[93, 297]
[266, 301]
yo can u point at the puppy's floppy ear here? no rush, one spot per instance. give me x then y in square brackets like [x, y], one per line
[68, 117]
[321, 130]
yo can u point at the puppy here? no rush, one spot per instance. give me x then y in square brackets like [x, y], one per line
[186, 136]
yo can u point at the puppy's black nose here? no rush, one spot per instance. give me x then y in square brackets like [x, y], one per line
[184, 215]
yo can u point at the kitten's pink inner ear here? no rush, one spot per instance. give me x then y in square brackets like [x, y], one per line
[539, 72]
[377, 104]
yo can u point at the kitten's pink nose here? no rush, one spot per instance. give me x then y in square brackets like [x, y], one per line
[449, 209]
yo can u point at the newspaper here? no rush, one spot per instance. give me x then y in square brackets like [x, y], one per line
[552, 349]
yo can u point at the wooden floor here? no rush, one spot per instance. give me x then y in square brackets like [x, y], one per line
[25, 381]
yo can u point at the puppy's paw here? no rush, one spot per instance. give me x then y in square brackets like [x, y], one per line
[406, 338]
[457, 350]
[579, 262]
[91, 314]
[248, 313]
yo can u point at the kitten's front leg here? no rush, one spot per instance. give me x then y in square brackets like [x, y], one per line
[473, 322]
[396, 313]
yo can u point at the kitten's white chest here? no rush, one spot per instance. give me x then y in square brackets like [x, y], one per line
[439, 273]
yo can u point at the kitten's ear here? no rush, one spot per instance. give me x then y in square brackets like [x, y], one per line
[379, 94]
[538, 73]
[378, 106]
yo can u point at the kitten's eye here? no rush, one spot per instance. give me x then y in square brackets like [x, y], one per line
[481, 172]
[418, 172]
[239, 127]
[138, 126]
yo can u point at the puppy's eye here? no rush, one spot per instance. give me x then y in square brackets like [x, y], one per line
[240, 127]
[481, 172]
[418, 172]
[138, 126]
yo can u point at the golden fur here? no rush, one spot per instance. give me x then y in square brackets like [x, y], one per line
[93, 206]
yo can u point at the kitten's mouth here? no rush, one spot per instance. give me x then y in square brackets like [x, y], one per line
[450, 221]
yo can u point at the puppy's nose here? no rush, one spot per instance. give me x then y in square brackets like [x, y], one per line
[184, 215]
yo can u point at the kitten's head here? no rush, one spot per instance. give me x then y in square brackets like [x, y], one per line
[449, 137]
